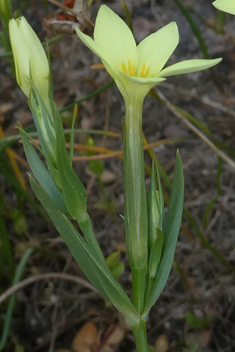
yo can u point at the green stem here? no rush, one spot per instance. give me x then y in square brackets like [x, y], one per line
[140, 335]
[136, 223]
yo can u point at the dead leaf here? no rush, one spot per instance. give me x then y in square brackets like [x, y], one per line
[161, 344]
[86, 339]
[115, 338]
[108, 176]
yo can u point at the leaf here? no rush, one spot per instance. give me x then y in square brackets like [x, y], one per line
[170, 231]
[41, 173]
[73, 190]
[11, 304]
[95, 269]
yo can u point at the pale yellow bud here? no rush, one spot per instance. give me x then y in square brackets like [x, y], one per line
[30, 59]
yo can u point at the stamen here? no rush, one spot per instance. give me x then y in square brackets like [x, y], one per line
[129, 70]
[124, 68]
[129, 67]
[144, 72]
[147, 72]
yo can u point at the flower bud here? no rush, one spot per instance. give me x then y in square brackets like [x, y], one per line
[30, 59]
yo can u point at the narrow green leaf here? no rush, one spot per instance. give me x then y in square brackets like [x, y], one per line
[170, 231]
[73, 190]
[128, 16]
[11, 304]
[5, 248]
[41, 173]
[71, 149]
[95, 270]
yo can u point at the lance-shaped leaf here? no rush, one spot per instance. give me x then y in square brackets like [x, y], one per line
[73, 190]
[41, 173]
[89, 261]
[170, 231]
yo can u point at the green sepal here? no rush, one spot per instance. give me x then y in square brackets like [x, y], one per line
[73, 190]
[170, 230]
[41, 173]
[96, 270]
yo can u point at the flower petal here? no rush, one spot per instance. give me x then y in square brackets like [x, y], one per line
[143, 80]
[21, 57]
[114, 36]
[97, 50]
[156, 49]
[90, 43]
[225, 5]
[39, 66]
[188, 66]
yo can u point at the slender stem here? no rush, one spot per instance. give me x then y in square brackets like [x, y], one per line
[140, 335]
[136, 224]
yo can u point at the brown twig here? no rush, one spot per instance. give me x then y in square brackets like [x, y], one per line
[39, 277]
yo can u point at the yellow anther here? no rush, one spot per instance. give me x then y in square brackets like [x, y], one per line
[124, 68]
[129, 67]
[144, 72]
[147, 72]
[129, 70]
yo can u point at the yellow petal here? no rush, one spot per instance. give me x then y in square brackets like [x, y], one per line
[156, 49]
[188, 66]
[143, 80]
[30, 58]
[21, 56]
[114, 36]
[225, 5]
[97, 50]
[39, 66]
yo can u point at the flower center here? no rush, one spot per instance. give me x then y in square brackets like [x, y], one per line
[129, 69]
[144, 71]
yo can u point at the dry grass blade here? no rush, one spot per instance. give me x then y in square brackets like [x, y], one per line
[39, 277]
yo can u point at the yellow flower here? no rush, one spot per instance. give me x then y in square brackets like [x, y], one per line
[225, 5]
[30, 59]
[136, 69]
